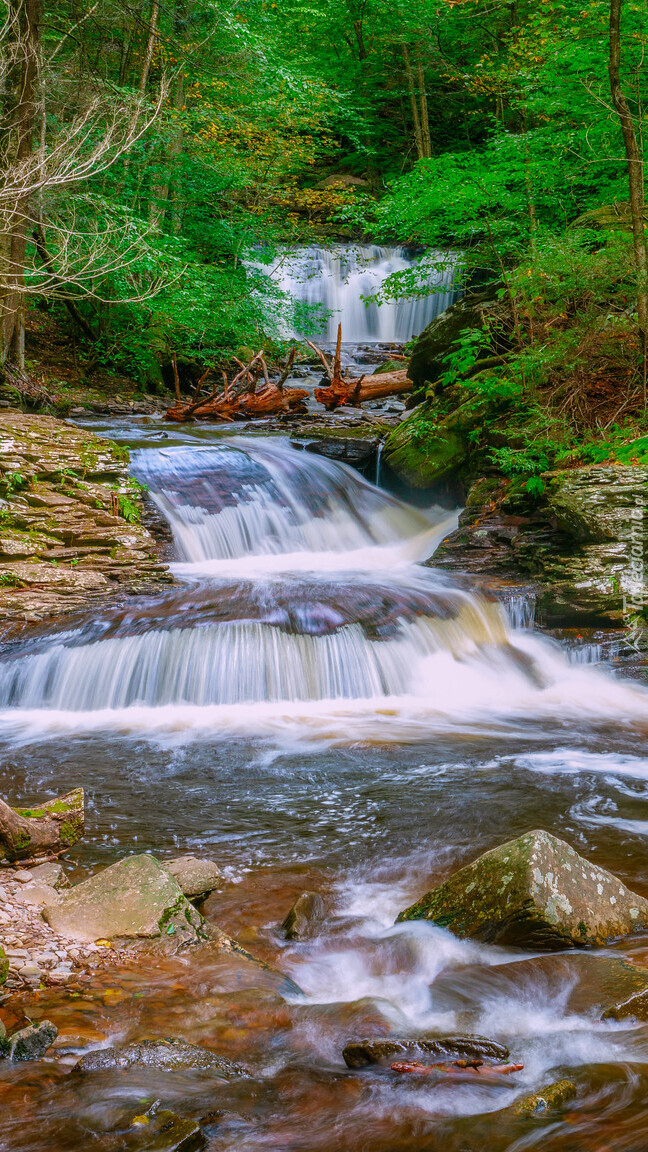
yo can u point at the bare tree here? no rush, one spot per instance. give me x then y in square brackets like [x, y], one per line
[61, 256]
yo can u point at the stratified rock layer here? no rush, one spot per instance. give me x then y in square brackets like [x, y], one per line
[534, 892]
[69, 520]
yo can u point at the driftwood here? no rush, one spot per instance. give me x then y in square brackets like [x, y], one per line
[342, 390]
[45, 832]
[238, 398]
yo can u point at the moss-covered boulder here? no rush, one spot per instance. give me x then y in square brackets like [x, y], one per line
[610, 217]
[533, 892]
[4, 965]
[135, 898]
[431, 444]
[435, 341]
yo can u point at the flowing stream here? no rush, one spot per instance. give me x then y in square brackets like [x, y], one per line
[316, 708]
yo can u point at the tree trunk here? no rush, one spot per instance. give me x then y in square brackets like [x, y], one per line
[25, 97]
[634, 158]
[426, 142]
[44, 832]
[418, 139]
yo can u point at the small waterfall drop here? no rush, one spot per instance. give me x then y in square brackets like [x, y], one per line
[331, 284]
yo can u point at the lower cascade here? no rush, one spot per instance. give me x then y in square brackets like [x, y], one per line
[300, 586]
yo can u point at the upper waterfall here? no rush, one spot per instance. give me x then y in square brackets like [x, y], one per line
[335, 282]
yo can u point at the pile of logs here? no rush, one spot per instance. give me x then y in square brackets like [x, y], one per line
[244, 397]
[241, 398]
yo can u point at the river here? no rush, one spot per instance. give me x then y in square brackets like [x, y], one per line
[314, 707]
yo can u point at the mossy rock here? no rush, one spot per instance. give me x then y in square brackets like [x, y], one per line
[533, 892]
[4, 966]
[430, 445]
[549, 1099]
[610, 217]
[435, 341]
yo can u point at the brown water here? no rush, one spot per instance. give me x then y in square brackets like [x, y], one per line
[314, 710]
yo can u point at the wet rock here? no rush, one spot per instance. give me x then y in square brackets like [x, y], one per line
[361, 1053]
[550, 1098]
[635, 1005]
[165, 1131]
[64, 538]
[534, 892]
[168, 1055]
[305, 917]
[196, 877]
[227, 946]
[354, 448]
[584, 541]
[136, 897]
[29, 1043]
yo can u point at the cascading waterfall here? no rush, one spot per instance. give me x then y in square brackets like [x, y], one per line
[330, 285]
[301, 594]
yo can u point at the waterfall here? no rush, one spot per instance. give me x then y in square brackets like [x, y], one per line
[301, 607]
[329, 286]
[249, 497]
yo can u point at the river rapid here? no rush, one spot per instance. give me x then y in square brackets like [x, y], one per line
[314, 708]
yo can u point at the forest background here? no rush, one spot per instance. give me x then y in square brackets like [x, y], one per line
[155, 155]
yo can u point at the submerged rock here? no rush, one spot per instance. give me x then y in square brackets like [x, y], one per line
[534, 892]
[137, 897]
[29, 1043]
[549, 1098]
[361, 1053]
[168, 1055]
[165, 1131]
[195, 876]
[305, 917]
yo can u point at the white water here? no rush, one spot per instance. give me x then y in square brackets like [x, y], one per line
[336, 634]
[330, 285]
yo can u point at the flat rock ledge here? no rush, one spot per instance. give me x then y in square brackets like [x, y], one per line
[70, 530]
[533, 892]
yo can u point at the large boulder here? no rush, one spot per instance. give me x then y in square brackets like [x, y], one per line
[361, 1053]
[533, 892]
[435, 341]
[431, 445]
[168, 1055]
[584, 541]
[137, 897]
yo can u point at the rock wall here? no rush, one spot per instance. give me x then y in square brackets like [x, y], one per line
[584, 542]
[70, 522]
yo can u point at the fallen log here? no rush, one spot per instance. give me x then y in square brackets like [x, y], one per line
[355, 392]
[45, 832]
[238, 399]
[346, 391]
